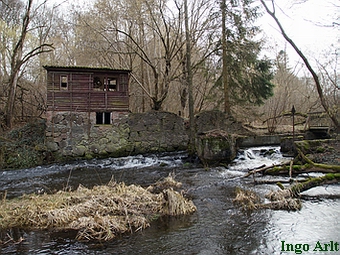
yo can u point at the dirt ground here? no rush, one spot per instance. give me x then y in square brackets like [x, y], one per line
[331, 155]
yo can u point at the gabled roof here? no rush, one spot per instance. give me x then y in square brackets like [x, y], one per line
[85, 69]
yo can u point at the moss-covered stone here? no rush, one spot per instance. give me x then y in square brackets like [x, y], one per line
[320, 149]
[303, 145]
[103, 141]
[79, 150]
[95, 148]
[72, 135]
[215, 148]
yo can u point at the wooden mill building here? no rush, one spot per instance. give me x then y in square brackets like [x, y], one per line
[103, 92]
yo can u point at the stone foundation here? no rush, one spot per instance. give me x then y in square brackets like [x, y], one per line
[75, 134]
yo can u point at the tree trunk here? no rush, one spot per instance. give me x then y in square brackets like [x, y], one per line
[11, 100]
[309, 67]
[225, 74]
[296, 189]
[189, 82]
[16, 63]
[19, 57]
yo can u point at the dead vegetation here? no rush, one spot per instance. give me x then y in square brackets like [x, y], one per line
[246, 199]
[284, 198]
[288, 197]
[100, 213]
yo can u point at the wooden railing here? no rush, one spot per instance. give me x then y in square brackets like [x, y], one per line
[318, 120]
[87, 101]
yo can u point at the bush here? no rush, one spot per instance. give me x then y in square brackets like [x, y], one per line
[21, 147]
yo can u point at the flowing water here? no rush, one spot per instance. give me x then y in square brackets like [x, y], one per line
[218, 227]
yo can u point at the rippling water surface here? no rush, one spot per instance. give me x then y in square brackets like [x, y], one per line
[216, 228]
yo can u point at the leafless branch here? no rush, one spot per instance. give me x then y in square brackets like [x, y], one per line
[305, 60]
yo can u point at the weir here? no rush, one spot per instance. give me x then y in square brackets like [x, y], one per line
[263, 140]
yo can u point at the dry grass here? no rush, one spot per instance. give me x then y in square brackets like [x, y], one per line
[246, 199]
[280, 200]
[167, 183]
[100, 213]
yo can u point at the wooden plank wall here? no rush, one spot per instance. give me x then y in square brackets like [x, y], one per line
[80, 95]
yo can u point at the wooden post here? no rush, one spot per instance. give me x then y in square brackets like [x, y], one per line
[293, 113]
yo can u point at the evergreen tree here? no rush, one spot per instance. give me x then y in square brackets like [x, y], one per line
[248, 76]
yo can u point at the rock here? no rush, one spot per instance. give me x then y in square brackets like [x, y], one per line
[216, 147]
[52, 146]
[210, 120]
[79, 150]
[95, 148]
[110, 148]
[103, 141]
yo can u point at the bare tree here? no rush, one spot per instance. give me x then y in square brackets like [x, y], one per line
[149, 30]
[148, 37]
[324, 103]
[20, 55]
[225, 74]
[290, 89]
[189, 79]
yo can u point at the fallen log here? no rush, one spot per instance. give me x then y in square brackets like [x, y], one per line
[262, 168]
[333, 168]
[289, 168]
[276, 181]
[313, 182]
[297, 169]
[295, 190]
[284, 198]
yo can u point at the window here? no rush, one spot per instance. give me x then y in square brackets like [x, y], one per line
[98, 83]
[112, 84]
[103, 118]
[63, 81]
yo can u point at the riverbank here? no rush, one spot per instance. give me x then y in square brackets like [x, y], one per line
[24, 146]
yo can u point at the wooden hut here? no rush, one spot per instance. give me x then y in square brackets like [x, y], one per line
[103, 91]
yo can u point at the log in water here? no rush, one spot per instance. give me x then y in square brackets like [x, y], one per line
[217, 227]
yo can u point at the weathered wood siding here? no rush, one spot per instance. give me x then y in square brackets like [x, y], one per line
[80, 94]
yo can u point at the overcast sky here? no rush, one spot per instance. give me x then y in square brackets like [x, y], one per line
[308, 24]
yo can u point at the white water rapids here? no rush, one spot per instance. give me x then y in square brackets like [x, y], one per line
[255, 157]
[218, 226]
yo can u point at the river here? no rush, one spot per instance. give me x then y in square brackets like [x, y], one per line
[218, 227]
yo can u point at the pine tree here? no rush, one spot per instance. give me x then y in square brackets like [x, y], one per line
[248, 76]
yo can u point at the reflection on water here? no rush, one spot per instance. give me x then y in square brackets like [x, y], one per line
[216, 228]
[316, 222]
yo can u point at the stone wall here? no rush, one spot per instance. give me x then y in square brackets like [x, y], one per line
[263, 140]
[73, 134]
[157, 132]
[211, 120]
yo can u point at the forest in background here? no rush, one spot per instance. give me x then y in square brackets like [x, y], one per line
[227, 67]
